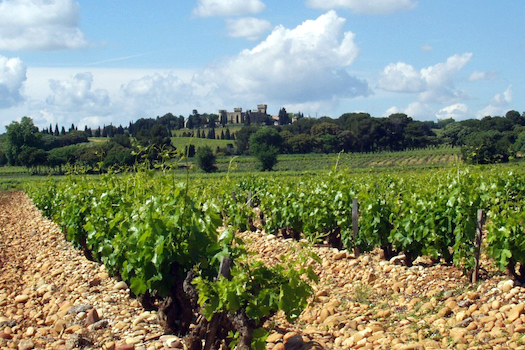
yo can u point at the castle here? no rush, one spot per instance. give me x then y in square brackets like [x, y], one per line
[239, 117]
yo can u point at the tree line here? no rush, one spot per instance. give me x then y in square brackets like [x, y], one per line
[487, 140]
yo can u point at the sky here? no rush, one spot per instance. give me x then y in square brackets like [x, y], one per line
[102, 62]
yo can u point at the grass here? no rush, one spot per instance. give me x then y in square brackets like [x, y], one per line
[233, 129]
[181, 142]
[98, 139]
[362, 293]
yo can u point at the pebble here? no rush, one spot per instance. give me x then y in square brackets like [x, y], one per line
[133, 340]
[515, 312]
[79, 308]
[506, 286]
[274, 338]
[174, 343]
[99, 324]
[6, 336]
[21, 298]
[340, 255]
[120, 285]
[92, 317]
[26, 345]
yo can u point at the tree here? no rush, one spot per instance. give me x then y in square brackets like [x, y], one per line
[242, 138]
[284, 118]
[487, 147]
[325, 128]
[515, 117]
[206, 159]
[20, 135]
[122, 140]
[266, 144]
[347, 141]
[519, 145]
[301, 143]
[32, 157]
[189, 151]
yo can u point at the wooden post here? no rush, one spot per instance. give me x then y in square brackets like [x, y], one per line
[355, 223]
[234, 196]
[249, 201]
[224, 268]
[477, 242]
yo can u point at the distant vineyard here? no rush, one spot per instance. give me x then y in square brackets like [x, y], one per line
[430, 157]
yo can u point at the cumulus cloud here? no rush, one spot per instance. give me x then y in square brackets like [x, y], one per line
[249, 27]
[456, 111]
[12, 78]
[77, 96]
[434, 84]
[416, 110]
[373, 7]
[221, 8]
[40, 25]
[401, 77]
[498, 104]
[293, 65]
[155, 90]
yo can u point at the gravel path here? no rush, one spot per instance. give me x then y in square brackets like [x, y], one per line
[48, 290]
[52, 297]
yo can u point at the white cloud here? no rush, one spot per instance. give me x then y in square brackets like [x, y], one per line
[456, 111]
[249, 27]
[434, 84]
[12, 78]
[401, 77]
[156, 90]
[477, 76]
[221, 8]
[373, 7]
[76, 96]
[427, 47]
[442, 73]
[40, 25]
[415, 110]
[418, 110]
[292, 65]
[498, 105]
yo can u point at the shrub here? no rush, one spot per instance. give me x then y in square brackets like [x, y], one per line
[206, 159]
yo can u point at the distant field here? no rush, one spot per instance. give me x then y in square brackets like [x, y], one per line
[181, 142]
[98, 139]
[233, 129]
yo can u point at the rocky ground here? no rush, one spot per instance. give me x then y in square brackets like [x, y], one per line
[52, 297]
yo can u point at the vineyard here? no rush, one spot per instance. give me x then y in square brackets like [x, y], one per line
[176, 244]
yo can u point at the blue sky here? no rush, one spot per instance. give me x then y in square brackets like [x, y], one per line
[99, 62]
